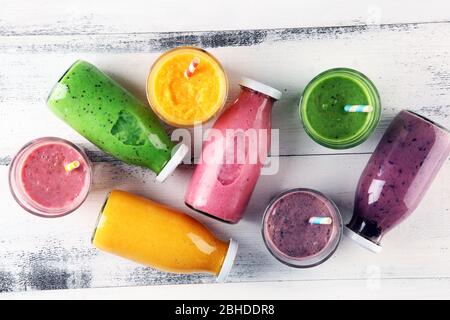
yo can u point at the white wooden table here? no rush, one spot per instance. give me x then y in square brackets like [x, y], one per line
[403, 46]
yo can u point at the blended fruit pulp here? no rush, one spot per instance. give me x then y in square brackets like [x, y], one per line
[398, 174]
[152, 234]
[223, 181]
[287, 227]
[325, 108]
[110, 117]
[322, 108]
[182, 101]
[45, 180]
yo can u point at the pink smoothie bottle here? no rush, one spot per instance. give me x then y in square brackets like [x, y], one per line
[233, 153]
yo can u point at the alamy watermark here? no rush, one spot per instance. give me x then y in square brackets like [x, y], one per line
[373, 280]
[373, 17]
[232, 147]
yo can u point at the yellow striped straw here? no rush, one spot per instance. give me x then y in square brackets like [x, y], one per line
[71, 166]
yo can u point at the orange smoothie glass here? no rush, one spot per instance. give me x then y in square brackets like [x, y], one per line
[183, 101]
[152, 234]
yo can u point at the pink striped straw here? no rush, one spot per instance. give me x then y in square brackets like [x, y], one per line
[192, 67]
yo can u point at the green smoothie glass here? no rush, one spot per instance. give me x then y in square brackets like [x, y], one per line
[324, 103]
[114, 120]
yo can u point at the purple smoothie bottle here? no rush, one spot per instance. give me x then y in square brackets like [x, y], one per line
[398, 174]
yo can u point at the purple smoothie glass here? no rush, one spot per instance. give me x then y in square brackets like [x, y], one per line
[398, 174]
[291, 237]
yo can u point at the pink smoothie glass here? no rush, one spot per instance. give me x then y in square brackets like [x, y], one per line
[50, 177]
[397, 176]
[233, 154]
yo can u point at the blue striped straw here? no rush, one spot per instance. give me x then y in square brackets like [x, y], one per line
[358, 108]
[320, 220]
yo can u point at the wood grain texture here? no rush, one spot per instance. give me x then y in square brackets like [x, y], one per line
[409, 63]
[55, 254]
[430, 288]
[50, 17]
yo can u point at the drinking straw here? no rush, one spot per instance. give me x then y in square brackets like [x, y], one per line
[192, 67]
[71, 166]
[358, 108]
[320, 220]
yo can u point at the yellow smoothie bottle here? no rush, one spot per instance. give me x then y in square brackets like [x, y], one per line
[182, 98]
[150, 233]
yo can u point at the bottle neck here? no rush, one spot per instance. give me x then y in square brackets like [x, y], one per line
[254, 99]
[365, 228]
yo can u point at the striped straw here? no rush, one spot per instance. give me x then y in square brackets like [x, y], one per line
[320, 220]
[72, 166]
[358, 108]
[192, 67]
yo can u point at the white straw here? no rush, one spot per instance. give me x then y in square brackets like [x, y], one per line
[320, 220]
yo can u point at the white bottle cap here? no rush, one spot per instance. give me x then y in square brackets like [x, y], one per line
[260, 87]
[173, 163]
[363, 242]
[228, 261]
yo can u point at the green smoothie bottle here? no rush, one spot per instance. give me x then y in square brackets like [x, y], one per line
[325, 106]
[114, 120]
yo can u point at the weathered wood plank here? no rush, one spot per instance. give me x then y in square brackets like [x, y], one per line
[53, 254]
[102, 16]
[156, 42]
[369, 288]
[409, 63]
